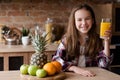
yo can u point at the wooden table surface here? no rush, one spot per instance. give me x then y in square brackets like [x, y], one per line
[101, 74]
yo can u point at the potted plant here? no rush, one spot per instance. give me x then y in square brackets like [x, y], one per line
[25, 36]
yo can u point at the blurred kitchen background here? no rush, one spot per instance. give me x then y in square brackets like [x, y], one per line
[27, 13]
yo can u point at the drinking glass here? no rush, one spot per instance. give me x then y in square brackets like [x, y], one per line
[104, 26]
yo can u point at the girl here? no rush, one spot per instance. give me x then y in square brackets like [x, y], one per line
[81, 45]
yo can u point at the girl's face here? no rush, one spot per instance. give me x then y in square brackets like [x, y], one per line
[83, 21]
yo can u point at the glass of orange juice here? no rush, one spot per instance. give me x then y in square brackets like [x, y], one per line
[104, 26]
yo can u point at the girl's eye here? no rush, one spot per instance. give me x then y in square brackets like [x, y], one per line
[79, 20]
[88, 18]
[84, 19]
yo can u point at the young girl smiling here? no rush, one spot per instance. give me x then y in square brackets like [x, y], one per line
[81, 46]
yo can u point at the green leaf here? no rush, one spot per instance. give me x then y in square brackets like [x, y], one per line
[25, 31]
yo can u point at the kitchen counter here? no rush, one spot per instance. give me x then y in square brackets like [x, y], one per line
[101, 74]
[29, 48]
[21, 48]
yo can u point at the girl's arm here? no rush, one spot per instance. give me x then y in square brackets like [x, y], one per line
[107, 47]
[107, 38]
[105, 58]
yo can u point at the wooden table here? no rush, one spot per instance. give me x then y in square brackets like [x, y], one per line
[101, 74]
[7, 51]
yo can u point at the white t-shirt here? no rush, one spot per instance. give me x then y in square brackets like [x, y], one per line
[81, 61]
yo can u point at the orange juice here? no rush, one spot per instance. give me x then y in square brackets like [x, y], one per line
[104, 26]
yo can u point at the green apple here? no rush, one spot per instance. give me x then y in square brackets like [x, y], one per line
[41, 73]
[32, 70]
[24, 69]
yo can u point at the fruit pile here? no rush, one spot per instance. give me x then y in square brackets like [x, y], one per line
[49, 69]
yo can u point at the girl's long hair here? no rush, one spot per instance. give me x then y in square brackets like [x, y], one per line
[94, 43]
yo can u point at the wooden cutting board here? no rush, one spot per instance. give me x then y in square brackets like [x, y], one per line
[60, 76]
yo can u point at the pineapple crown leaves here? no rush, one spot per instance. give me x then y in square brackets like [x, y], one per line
[39, 42]
[25, 31]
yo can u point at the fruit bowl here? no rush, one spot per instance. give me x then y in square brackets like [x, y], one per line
[59, 76]
[50, 71]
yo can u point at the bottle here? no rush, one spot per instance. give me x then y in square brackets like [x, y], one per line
[48, 28]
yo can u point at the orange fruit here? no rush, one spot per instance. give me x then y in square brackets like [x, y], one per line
[57, 65]
[50, 68]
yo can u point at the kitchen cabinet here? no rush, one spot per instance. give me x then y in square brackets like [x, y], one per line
[116, 18]
[13, 56]
[1, 63]
[9, 59]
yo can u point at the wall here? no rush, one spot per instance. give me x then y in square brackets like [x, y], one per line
[19, 13]
[102, 11]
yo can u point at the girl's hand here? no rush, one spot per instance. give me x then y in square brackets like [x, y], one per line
[81, 71]
[108, 34]
[87, 73]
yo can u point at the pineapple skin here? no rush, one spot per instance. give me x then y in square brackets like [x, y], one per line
[39, 59]
[39, 43]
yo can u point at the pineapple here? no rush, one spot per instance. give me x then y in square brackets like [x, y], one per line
[39, 58]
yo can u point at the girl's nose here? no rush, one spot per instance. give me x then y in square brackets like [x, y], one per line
[83, 21]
